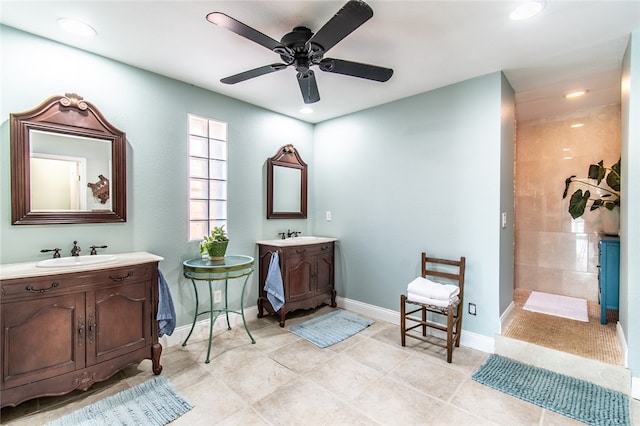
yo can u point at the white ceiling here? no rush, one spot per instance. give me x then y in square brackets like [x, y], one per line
[429, 44]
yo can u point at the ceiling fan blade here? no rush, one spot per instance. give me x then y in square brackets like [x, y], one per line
[257, 72]
[356, 69]
[246, 31]
[351, 16]
[308, 87]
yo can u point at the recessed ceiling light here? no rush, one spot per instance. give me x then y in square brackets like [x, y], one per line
[576, 125]
[527, 10]
[306, 110]
[76, 27]
[576, 93]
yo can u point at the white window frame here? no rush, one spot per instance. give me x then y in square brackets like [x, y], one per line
[207, 175]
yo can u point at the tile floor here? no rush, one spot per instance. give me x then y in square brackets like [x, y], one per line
[368, 379]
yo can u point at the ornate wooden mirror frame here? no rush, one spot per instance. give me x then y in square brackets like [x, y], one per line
[287, 157]
[68, 115]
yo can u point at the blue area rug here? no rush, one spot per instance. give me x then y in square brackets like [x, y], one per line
[151, 403]
[331, 328]
[578, 399]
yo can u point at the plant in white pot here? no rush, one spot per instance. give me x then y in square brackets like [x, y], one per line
[215, 244]
[606, 182]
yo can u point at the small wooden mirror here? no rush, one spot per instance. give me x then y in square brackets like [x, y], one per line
[67, 165]
[286, 185]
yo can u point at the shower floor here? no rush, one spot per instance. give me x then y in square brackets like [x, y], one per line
[589, 340]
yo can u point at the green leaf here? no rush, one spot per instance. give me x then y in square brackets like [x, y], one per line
[567, 182]
[597, 171]
[596, 203]
[578, 203]
[613, 178]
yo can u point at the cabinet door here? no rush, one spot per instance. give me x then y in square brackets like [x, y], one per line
[42, 338]
[297, 275]
[324, 271]
[118, 320]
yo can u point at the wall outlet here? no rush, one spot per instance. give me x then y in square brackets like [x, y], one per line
[217, 296]
[472, 308]
[504, 219]
[328, 216]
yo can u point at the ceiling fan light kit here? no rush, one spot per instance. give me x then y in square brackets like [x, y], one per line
[302, 49]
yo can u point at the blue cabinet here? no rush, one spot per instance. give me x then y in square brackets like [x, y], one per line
[609, 276]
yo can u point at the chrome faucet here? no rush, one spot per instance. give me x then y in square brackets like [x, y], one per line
[292, 233]
[94, 251]
[75, 251]
[56, 252]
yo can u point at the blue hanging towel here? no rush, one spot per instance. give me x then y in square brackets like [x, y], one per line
[166, 312]
[273, 285]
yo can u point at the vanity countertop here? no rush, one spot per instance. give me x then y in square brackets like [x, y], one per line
[29, 269]
[296, 241]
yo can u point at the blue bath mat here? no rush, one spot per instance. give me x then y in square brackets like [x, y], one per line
[331, 328]
[152, 403]
[571, 397]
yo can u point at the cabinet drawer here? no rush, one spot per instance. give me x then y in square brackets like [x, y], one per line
[59, 284]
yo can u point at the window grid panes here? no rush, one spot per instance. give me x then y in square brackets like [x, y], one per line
[207, 175]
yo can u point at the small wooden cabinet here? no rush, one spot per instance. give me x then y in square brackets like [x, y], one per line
[67, 331]
[307, 276]
[608, 276]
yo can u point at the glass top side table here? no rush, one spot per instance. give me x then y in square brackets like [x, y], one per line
[199, 269]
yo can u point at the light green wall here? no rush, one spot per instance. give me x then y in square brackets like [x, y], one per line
[507, 205]
[630, 206]
[419, 174]
[152, 110]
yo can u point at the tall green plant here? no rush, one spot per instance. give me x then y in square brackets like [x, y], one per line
[599, 173]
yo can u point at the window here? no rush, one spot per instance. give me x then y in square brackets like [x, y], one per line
[207, 175]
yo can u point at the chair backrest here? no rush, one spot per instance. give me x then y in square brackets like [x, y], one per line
[452, 270]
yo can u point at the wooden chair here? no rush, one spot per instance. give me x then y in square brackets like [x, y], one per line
[451, 271]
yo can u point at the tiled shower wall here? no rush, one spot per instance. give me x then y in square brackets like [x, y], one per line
[554, 253]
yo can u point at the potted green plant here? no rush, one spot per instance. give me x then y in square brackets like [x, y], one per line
[215, 244]
[608, 196]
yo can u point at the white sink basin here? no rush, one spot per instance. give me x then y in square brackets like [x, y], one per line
[297, 241]
[65, 262]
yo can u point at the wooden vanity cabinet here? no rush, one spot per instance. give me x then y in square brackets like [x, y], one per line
[68, 331]
[307, 276]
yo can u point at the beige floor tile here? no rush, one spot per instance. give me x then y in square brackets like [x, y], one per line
[495, 406]
[549, 418]
[246, 416]
[303, 402]
[344, 376]
[301, 356]
[377, 355]
[213, 398]
[390, 402]
[432, 378]
[258, 379]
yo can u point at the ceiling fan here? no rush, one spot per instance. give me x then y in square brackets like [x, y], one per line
[303, 49]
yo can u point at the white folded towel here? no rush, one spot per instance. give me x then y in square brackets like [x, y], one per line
[432, 290]
[428, 301]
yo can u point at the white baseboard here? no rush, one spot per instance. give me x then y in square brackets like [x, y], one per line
[467, 338]
[622, 341]
[506, 317]
[201, 329]
[635, 388]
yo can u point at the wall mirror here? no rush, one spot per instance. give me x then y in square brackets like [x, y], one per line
[68, 165]
[286, 185]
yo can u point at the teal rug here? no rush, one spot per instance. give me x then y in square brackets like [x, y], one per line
[151, 403]
[578, 399]
[331, 328]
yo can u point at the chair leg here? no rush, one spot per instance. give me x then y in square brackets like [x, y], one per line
[459, 325]
[403, 320]
[449, 333]
[424, 321]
